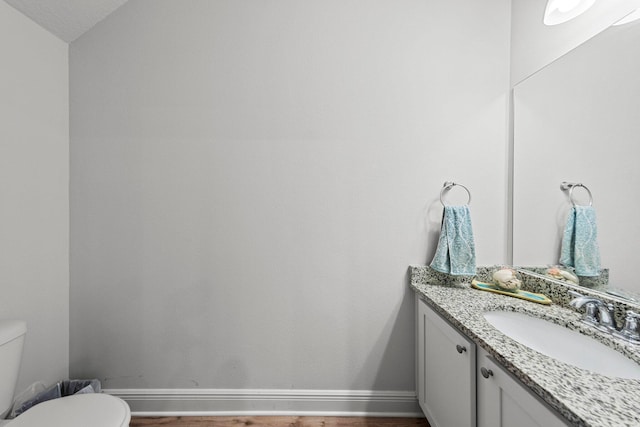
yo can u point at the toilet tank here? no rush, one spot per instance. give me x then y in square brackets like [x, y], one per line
[12, 334]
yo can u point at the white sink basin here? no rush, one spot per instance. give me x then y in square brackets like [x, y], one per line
[563, 344]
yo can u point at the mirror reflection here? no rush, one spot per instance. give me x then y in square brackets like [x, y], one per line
[578, 120]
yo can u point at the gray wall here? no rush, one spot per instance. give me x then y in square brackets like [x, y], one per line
[250, 181]
[34, 192]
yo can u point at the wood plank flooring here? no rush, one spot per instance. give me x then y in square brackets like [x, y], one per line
[276, 422]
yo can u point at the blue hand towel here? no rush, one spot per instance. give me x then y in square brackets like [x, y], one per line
[456, 252]
[580, 242]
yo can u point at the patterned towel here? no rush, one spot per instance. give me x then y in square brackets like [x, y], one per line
[580, 242]
[456, 252]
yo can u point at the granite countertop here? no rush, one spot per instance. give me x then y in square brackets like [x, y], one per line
[584, 398]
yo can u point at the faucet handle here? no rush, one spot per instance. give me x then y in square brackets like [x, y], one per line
[630, 330]
[632, 314]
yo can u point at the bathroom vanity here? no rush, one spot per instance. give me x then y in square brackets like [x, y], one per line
[459, 384]
[469, 374]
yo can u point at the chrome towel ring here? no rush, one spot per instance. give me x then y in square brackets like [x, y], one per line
[564, 186]
[447, 186]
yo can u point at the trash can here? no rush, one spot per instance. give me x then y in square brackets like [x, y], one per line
[60, 389]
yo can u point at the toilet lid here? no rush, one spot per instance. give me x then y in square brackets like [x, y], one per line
[80, 410]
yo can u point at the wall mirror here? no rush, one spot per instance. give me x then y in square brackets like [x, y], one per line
[578, 119]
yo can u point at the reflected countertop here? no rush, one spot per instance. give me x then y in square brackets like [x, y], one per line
[582, 397]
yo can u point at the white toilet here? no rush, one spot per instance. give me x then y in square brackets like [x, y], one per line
[81, 410]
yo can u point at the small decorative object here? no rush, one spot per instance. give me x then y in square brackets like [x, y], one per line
[506, 280]
[562, 275]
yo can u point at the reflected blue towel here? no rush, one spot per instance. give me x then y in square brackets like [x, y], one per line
[580, 242]
[456, 252]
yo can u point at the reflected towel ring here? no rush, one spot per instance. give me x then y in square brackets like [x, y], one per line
[571, 186]
[447, 186]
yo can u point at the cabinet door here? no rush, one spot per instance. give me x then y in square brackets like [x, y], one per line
[504, 402]
[446, 371]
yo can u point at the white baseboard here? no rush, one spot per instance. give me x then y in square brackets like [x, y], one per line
[256, 402]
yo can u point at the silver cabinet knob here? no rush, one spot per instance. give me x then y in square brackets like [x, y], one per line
[486, 372]
[460, 348]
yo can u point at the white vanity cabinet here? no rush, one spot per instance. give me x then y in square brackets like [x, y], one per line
[446, 371]
[459, 385]
[504, 402]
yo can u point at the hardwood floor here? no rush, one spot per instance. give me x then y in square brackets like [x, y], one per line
[276, 422]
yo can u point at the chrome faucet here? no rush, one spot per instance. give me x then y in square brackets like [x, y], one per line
[600, 315]
[604, 319]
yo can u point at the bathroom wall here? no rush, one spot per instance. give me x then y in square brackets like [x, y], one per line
[251, 180]
[34, 195]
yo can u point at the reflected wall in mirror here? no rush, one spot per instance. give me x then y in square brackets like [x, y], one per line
[534, 44]
[578, 120]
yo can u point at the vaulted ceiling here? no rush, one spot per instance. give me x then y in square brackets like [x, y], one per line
[67, 19]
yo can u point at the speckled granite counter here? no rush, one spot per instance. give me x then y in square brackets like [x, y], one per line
[582, 397]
